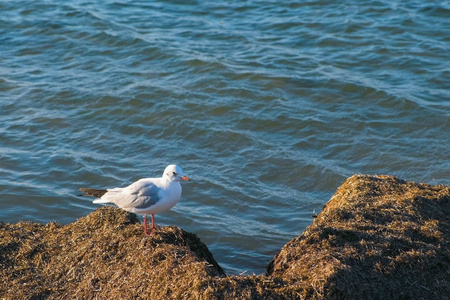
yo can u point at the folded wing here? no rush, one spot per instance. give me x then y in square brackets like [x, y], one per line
[139, 195]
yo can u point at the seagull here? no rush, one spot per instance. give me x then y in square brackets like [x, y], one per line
[147, 196]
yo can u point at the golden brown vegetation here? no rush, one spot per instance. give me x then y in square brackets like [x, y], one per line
[377, 238]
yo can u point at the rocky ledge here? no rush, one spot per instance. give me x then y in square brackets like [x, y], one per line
[378, 237]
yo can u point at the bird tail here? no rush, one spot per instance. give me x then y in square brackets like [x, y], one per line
[95, 193]
[101, 201]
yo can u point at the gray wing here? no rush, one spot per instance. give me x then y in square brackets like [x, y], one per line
[139, 195]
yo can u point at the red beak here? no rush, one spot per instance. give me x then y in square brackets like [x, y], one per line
[185, 178]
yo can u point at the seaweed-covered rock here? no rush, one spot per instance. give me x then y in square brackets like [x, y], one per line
[378, 237]
[102, 255]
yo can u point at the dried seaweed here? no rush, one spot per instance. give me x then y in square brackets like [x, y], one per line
[378, 237]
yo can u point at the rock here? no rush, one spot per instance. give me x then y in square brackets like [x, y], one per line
[103, 255]
[377, 238]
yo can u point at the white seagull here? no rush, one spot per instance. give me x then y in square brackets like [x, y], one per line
[147, 196]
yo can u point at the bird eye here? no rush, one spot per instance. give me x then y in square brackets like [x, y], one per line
[174, 173]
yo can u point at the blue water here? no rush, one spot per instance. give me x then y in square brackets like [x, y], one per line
[268, 106]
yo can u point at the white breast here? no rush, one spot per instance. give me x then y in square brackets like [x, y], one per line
[168, 198]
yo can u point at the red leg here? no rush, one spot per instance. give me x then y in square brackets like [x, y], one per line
[153, 222]
[145, 225]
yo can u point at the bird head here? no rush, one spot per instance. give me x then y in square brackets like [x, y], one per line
[174, 173]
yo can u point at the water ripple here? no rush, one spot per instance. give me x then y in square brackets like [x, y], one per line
[267, 105]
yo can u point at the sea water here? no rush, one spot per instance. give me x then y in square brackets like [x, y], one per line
[268, 106]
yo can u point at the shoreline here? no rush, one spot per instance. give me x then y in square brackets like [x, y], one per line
[377, 237]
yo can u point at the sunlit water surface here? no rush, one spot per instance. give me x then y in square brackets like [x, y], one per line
[267, 105]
